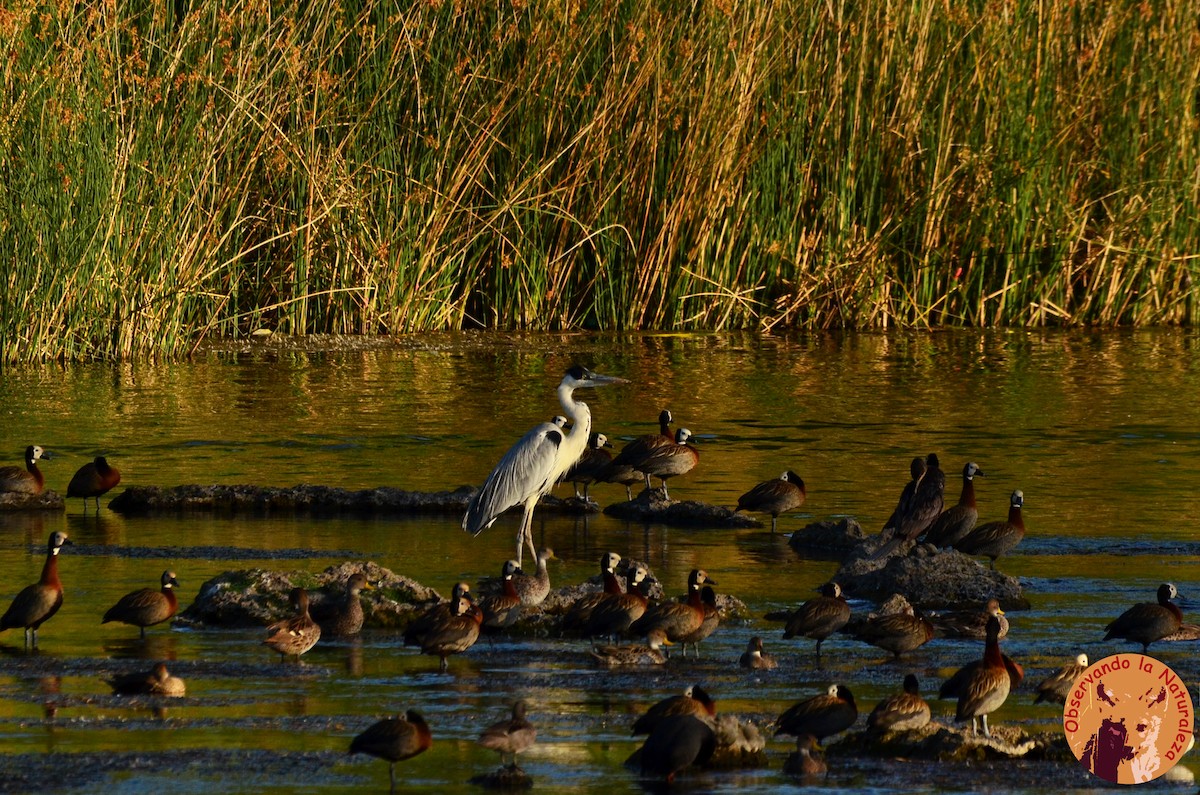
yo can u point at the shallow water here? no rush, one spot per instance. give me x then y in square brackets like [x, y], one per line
[1100, 430]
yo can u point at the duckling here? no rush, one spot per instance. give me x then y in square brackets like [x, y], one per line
[93, 480]
[29, 480]
[651, 654]
[394, 739]
[755, 658]
[820, 617]
[821, 716]
[295, 635]
[146, 607]
[158, 682]
[511, 736]
[1147, 622]
[36, 604]
[344, 617]
[901, 712]
[780, 495]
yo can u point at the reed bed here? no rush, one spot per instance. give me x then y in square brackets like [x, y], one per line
[173, 171]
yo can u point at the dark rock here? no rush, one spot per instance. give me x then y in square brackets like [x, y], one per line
[740, 744]
[827, 540]
[510, 777]
[46, 501]
[311, 500]
[256, 597]
[652, 506]
[937, 741]
[946, 579]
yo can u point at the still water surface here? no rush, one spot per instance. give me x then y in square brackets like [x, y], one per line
[1100, 430]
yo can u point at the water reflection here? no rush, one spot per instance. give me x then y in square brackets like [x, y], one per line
[1095, 428]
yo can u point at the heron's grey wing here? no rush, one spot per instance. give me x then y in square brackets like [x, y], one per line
[523, 472]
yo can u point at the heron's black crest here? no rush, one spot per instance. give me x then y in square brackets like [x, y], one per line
[577, 372]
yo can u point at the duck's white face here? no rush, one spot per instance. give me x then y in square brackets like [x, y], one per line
[1082, 660]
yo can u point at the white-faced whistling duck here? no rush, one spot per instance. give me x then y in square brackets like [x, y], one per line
[901, 712]
[677, 742]
[959, 519]
[695, 700]
[755, 658]
[422, 625]
[915, 469]
[501, 611]
[579, 614]
[996, 538]
[534, 464]
[667, 461]
[37, 603]
[820, 617]
[987, 688]
[146, 607]
[712, 619]
[923, 509]
[295, 635]
[677, 619]
[1057, 686]
[624, 470]
[342, 616]
[28, 480]
[896, 632]
[394, 739]
[970, 623]
[158, 682]
[650, 654]
[533, 589]
[1147, 622]
[93, 480]
[613, 614]
[805, 761]
[591, 465]
[510, 736]
[821, 716]
[455, 634]
[779, 495]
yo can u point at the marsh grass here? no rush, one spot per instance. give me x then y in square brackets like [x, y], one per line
[368, 167]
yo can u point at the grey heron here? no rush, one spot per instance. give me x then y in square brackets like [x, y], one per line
[534, 464]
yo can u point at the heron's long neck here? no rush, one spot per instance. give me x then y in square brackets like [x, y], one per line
[574, 442]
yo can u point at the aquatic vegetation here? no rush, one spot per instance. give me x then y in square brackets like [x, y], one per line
[177, 172]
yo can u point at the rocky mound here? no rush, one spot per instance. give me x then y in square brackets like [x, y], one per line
[46, 501]
[652, 505]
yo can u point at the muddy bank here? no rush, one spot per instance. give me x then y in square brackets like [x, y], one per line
[46, 501]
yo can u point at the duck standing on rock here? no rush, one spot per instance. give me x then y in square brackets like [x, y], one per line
[343, 618]
[1147, 622]
[986, 689]
[996, 538]
[579, 615]
[146, 607]
[534, 464]
[959, 519]
[677, 619]
[928, 498]
[510, 736]
[29, 480]
[295, 635]
[901, 712]
[916, 470]
[37, 603]
[94, 480]
[779, 495]
[821, 616]
[623, 468]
